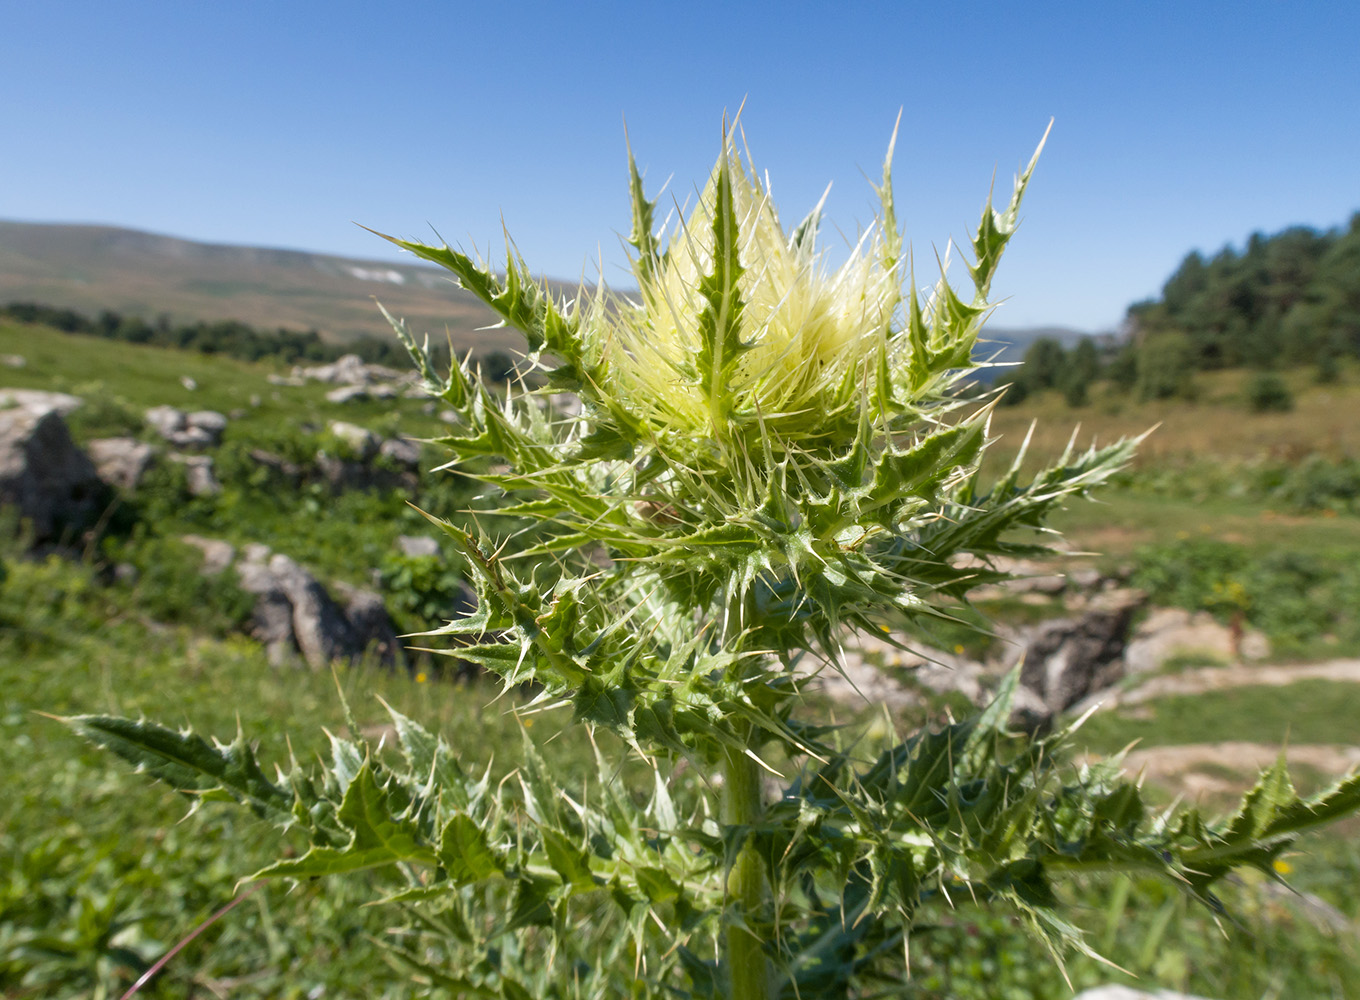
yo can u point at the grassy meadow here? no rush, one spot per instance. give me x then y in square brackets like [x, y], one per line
[101, 872]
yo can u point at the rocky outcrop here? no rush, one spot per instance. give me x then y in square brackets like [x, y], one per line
[402, 452]
[296, 615]
[349, 370]
[370, 625]
[359, 393]
[53, 483]
[39, 401]
[200, 477]
[361, 441]
[1067, 659]
[355, 379]
[199, 429]
[272, 615]
[121, 461]
[320, 628]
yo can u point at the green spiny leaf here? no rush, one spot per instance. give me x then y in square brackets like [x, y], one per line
[186, 761]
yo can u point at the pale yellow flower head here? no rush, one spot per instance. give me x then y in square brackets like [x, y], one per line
[811, 336]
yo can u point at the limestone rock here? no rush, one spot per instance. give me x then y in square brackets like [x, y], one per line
[402, 451]
[39, 401]
[272, 616]
[320, 628]
[351, 370]
[416, 546]
[202, 480]
[352, 393]
[211, 421]
[52, 482]
[362, 440]
[1067, 659]
[200, 429]
[370, 625]
[121, 461]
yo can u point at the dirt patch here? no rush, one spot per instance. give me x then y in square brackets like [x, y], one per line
[1230, 767]
[1239, 675]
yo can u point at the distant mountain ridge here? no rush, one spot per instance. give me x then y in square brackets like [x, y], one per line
[91, 267]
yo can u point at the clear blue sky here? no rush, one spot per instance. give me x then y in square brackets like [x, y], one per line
[1177, 125]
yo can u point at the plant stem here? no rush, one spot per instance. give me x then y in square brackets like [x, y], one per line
[747, 970]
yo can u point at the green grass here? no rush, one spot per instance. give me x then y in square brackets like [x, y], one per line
[1307, 711]
[1119, 521]
[100, 872]
[139, 377]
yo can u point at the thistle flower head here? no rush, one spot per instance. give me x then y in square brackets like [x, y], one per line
[803, 339]
[761, 436]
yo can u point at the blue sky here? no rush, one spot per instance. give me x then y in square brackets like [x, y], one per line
[1176, 126]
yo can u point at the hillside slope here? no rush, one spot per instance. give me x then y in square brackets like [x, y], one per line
[89, 268]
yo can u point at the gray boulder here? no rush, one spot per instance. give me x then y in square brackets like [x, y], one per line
[272, 615]
[1167, 633]
[320, 628]
[417, 546]
[370, 625]
[349, 370]
[362, 440]
[352, 393]
[217, 554]
[201, 479]
[200, 429]
[1067, 659]
[210, 422]
[121, 461]
[42, 473]
[401, 451]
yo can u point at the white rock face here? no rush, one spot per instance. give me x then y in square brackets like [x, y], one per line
[350, 370]
[402, 451]
[202, 480]
[364, 442]
[416, 546]
[1171, 632]
[1127, 993]
[121, 461]
[217, 554]
[39, 401]
[200, 429]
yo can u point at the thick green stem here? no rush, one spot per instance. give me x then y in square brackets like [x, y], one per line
[748, 973]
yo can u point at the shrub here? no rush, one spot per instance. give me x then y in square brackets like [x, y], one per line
[1165, 367]
[1267, 392]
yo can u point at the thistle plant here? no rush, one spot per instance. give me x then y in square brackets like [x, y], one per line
[770, 456]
